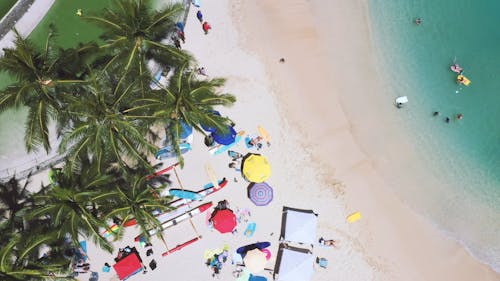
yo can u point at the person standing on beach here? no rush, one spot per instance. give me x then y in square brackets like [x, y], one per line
[181, 35]
[180, 26]
[206, 27]
[199, 15]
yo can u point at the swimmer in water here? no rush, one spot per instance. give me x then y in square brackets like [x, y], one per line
[418, 21]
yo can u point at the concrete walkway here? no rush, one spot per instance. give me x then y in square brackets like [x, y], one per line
[24, 16]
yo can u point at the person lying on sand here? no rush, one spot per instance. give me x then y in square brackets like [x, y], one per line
[329, 243]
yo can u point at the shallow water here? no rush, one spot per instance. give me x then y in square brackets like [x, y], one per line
[463, 154]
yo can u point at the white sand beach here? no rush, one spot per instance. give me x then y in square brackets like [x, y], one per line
[316, 155]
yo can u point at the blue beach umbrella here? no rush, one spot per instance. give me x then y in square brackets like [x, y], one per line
[186, 130]
[257, 278]
[224, 138]
[208, 128]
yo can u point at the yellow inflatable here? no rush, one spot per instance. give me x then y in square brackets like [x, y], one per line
[463, 80]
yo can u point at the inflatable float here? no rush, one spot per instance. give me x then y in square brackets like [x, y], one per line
[463, 80]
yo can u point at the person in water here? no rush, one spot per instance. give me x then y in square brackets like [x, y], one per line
[460, 116]
[418, 21]
[447, 119]
[460, 79]
[436, 113]
[457, 68]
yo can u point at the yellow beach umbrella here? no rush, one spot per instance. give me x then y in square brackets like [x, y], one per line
[255, 168]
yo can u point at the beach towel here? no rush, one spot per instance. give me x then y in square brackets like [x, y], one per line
[250, 230]
[152, 264]
[196, 3]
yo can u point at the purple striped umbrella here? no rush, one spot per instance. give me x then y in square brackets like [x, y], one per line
[261, 194]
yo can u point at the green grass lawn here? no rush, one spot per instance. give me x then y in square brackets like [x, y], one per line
[5, 6]
[71, 28]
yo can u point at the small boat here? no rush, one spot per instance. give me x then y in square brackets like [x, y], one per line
[400, 101]
[456, 68]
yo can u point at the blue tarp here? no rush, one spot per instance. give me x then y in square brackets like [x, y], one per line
[224, 137]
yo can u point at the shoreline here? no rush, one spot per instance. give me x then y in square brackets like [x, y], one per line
[349, 132]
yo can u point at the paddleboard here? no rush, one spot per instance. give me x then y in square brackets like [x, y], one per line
[264, 134]
[185, 194]
[464, 81]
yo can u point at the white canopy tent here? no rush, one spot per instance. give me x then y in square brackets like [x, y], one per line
[293, 264]
[299, 226]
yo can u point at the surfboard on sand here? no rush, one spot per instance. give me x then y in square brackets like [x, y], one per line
[180, 218]
[180, 246]
[264, 134]
[185, 194]
[180, 204]
[354, 217]
[162, 171]
[211, 175]
[200, 194]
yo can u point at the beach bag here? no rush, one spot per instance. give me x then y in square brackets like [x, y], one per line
[152, 264]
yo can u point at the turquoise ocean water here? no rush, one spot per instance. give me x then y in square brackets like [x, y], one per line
[464, 154]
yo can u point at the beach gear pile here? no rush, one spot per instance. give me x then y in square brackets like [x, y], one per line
[216, 258]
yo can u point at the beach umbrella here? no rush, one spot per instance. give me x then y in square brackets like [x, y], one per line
[255, 261]
[255, 168]
[261, 194]
[259, 245]
[185, 130]
[226, 137]
[224, 220]
[257, 278]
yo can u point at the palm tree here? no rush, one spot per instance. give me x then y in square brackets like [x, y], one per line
[133, 34]
[43, 79]
[72, 207]
[185, 99]
[19, 259]
[14, 199]
[136, 199]
[101, 130]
